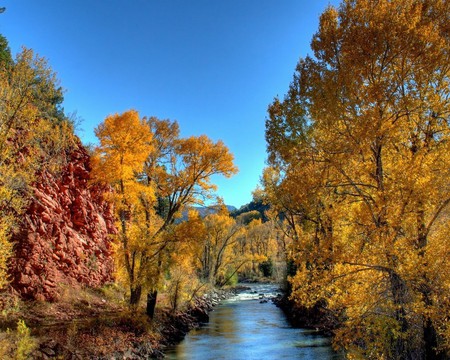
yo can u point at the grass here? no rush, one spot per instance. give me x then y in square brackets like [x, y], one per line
[82, 323]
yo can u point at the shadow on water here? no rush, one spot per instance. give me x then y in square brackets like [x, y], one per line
[247, 327]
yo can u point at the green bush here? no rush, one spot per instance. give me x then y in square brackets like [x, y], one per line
[17, 345]
[25, 344]
[232, 280]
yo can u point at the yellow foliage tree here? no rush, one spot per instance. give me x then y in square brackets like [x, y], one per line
[257, 243]
[219, 261]
[155, 175]
[183, 283]
[125, 144]
[180, 170]
[359, 153]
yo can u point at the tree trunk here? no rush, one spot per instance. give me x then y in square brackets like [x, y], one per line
[430, 338]
[402, 346]
[151, 303]
[175, 296]
[135, 295]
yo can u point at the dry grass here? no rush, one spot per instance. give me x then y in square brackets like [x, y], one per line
[84, 323]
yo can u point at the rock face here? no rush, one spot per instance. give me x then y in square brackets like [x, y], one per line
[64, 234]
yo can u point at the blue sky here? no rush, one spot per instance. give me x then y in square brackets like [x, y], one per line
[214, 66]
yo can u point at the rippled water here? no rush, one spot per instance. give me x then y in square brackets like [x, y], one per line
[245, 328]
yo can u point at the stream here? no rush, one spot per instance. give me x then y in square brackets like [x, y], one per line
[247, 327]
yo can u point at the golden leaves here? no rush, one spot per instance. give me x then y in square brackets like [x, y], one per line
[201, 158]
[155, 175]
[125, 143]
[362, 185]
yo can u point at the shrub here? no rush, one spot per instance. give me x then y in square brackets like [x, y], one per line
[266, 267]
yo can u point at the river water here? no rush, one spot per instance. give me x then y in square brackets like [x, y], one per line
[246, 327]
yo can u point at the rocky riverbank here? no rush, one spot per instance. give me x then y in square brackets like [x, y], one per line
[172, 327]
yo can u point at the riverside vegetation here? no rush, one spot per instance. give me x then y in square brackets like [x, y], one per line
[359, 168]
[85, 233]
[352, 212]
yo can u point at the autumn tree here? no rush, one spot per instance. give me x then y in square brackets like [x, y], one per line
[166, 174]
[257, 244]
[218, 260]
[183, 282]
[125, 144]
[181, 170]
[359, 169]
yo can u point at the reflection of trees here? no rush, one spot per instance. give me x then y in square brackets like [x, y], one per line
[226, 322]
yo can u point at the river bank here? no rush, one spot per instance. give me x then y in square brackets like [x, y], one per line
[90, 326]
[317, 317]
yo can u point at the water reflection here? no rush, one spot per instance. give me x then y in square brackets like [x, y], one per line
[245, 328]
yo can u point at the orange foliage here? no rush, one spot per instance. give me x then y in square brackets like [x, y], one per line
[155, 175]
[359, 153]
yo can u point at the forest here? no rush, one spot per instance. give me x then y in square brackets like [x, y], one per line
[352, 213]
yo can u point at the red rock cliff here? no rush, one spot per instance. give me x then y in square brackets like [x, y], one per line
[64, 235]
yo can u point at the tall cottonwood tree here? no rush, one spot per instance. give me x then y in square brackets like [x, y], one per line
[360, 166]
[125, 144]
[170, 173]
[180, 170]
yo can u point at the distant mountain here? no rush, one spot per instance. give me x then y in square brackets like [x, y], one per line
[206, 210]
[254, 205]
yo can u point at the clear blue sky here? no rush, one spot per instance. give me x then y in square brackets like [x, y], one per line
[214, 66]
